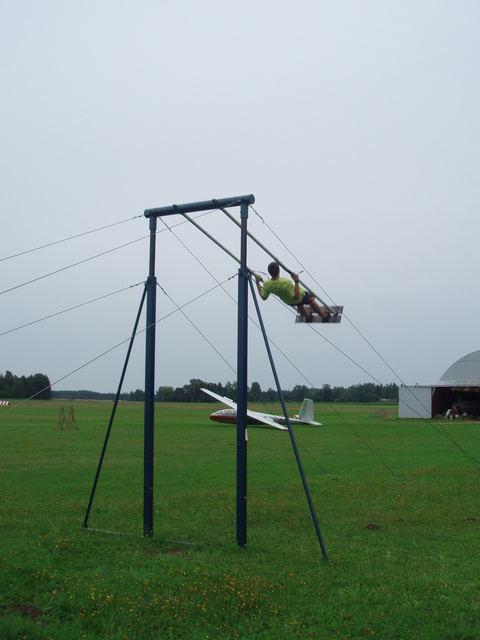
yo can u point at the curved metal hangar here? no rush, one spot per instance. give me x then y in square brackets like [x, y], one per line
[459, 386]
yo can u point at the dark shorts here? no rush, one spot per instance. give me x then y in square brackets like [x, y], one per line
[305, 300]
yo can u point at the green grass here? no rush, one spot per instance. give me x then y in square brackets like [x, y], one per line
[403, 549]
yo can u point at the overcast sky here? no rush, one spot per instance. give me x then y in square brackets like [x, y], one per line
[355, 125]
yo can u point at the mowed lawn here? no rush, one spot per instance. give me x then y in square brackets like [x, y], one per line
[398, 504]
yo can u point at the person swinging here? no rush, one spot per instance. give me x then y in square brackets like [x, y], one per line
[291, 293]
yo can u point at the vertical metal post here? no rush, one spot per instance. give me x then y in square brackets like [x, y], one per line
[150, 387]
[242, 381]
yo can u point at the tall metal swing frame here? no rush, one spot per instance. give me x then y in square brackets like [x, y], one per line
[153, 214]
[150, 291]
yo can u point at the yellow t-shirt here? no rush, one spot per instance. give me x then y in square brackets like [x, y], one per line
[284, 289]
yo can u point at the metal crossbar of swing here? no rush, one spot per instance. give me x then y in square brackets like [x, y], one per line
[194, 207]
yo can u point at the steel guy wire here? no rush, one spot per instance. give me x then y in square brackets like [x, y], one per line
[78, 235]
[77, 306]
[196, 328]
[75, 264]
[84, 233]
[104, 353]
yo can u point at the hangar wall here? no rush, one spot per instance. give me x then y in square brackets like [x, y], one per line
[415, 402]
[459, 385]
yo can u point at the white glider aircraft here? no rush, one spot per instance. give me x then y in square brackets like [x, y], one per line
[229, 416]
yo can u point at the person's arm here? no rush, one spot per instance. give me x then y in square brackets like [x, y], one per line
[259, 287]
[296, 291]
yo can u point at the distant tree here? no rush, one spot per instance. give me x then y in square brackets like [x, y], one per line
[37, 386]
[165, 394]
[255, 393]
[137, 396]
[271, 395]
[299, 392]
[367, 392]
[41, 387]
[6, 384]
[179, 394]
[17, 390]
[192, 391]
[327, 395]
[389, 391]
[231, 390]
[347, 395]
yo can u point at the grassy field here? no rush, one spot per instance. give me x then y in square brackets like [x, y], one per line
[398, 506]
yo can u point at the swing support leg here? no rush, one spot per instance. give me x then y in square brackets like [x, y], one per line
[114, 409]
[287, 419]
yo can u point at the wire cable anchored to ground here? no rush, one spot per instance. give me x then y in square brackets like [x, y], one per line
[77, 306]
[78, 235]
[75, 264]
[197, 329]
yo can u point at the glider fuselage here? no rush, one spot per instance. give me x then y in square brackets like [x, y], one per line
[229, 416]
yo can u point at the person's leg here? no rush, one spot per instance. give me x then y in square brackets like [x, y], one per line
[317, 308]
[303, 311]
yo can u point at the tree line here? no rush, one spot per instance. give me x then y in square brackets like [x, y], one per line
[13, 387]
[367, 392]
[84, 394]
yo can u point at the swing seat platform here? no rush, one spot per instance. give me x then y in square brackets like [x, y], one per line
[335, 317]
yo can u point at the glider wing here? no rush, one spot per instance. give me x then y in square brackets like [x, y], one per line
[261, 417]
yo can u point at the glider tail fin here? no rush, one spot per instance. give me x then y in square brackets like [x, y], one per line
[306, 412]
